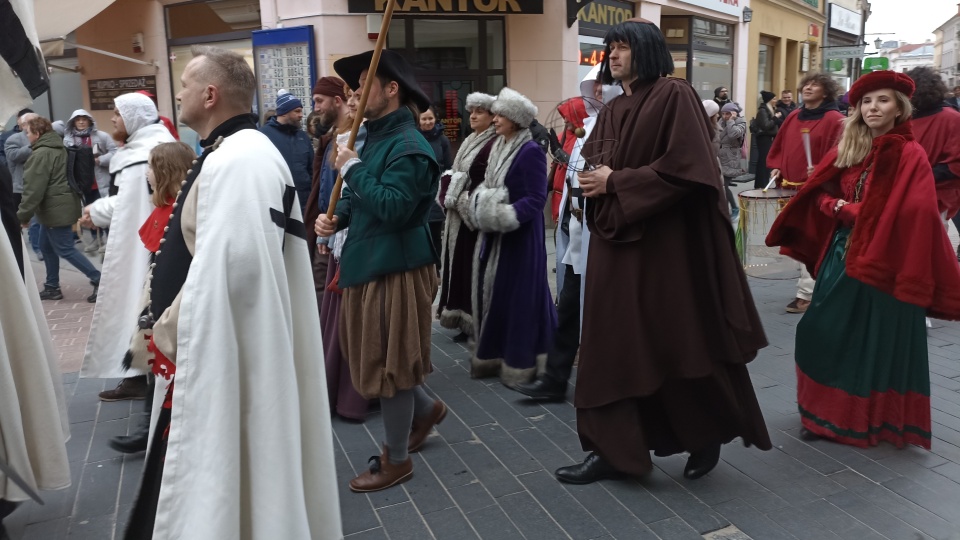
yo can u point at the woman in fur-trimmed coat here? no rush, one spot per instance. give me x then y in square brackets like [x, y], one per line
[460, 233]
[514, 315]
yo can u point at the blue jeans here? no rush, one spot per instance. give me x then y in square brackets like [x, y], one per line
[33, 234]
[56, 242]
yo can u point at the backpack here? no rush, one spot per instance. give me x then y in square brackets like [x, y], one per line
[81, 169]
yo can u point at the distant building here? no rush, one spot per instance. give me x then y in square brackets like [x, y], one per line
[948, 38]
[909, 55]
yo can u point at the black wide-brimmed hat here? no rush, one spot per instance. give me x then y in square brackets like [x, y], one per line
[392, 66]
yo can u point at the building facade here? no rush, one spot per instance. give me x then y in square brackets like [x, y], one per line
[457, 46]
[843, 38]
[784, 44]
[946, 58]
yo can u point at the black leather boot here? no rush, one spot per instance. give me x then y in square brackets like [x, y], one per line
[592, 469]
[135, 442]
[702, 462]
[544, 388]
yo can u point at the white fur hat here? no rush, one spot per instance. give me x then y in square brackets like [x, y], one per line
[480, 100]
[515, 106]
[711, 107]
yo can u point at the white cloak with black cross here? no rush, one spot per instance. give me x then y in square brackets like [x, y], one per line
[250, 448]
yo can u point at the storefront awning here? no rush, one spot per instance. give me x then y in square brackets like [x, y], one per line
[56, 18]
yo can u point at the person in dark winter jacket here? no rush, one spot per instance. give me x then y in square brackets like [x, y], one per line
[765, 127]
[47, 195]
[294, 144]
[432, 131]
[721, 95]
[81, 131]
[785, 106]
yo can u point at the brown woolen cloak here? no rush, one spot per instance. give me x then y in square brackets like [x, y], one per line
[666, 298]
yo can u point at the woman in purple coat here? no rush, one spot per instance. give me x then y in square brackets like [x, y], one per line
[514, 315]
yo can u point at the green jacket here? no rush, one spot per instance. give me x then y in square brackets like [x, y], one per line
[46, 192]
[387, 202]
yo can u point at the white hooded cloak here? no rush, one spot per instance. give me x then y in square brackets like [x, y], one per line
[126, 260]
[33, 415]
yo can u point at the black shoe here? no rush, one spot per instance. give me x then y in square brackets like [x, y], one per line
[592, 469]
[93, 297]
[131, 444]
[51, 293]
[544, 388]
[700, 463]
[808, 435]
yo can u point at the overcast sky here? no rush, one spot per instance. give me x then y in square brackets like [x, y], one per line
[913, 24]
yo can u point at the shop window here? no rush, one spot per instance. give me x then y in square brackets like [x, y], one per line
[496, 56]
[712, 34]
[766, 57]
[680, 64]
[676, 30]
[711, 70]
[446, 44]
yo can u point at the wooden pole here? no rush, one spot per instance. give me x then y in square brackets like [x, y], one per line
[362, 106]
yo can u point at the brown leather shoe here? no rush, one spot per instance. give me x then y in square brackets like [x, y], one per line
[421, 427]
[799, 305]
[129, 388]
[382, 474]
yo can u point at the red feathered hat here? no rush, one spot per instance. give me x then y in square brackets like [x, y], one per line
[878, 80]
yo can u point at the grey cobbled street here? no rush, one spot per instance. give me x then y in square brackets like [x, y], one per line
[488, 470]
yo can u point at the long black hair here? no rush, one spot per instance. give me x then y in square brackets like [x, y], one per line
[648, 50]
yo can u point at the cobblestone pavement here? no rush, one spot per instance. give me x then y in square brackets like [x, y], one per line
[488, 471]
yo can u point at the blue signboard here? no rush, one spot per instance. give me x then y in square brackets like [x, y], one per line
[284, 58]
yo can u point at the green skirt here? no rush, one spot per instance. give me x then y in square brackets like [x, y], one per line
[862, 371]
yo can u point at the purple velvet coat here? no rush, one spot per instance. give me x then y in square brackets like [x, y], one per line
[516, 326]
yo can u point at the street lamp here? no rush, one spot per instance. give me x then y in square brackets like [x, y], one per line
[747, 14]
[878, 43]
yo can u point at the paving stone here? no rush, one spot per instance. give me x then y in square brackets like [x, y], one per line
[94, 528]
[99, 487]
[130, 477]
[638, 500]
[837, 521]
[79, 444]
[506, 416]
[572, 517]
[492, 524]
[102, 433]
[356, 512]
[47, 530]
[675, 529]
[498, 480]
[447, 465]
[801, 524]
[425, 489]
[542, 449]
[531, 518]
[403, 522]
[370, 534]
[450, 524]
[694, 513]
[610, 512]
[867, 512]
[471, 497]
[752, 522]
[507, 450]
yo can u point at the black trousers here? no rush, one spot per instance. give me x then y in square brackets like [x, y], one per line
[566, 342]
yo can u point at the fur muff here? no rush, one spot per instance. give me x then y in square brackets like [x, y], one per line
[493, 212]
[515, 106]
[479, 100]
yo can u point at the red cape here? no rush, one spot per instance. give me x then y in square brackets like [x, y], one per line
[939, 135]
[575, 112]
[152, 229]
[787, 152]
[899, 244]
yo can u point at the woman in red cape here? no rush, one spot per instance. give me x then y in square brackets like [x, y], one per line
[866, 225]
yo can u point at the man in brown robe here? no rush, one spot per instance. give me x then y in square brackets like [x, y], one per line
[669, 323]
